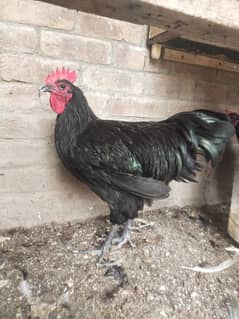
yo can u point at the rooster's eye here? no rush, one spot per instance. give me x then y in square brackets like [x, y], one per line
[62, 86]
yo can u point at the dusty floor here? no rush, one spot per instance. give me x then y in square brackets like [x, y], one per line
[44, 274]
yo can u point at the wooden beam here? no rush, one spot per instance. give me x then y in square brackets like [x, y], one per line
[192, 52]
[190, 46]
[196, 59]
[205, 20]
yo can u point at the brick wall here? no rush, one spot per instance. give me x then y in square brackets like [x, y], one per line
[119, 80]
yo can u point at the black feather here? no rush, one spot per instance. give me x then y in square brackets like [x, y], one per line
[145, 187]
[127, 163]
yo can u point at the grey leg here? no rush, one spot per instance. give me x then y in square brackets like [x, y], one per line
[125, 237]
[104, 250]
[108, 243]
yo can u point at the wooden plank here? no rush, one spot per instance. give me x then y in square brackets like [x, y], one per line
[213, 51]
[191, 52]
[196, 59]
[203, 20]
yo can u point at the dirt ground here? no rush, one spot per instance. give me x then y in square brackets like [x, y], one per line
[45, 275]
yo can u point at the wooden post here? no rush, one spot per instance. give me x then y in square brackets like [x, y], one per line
[233, 222]
[156, 51]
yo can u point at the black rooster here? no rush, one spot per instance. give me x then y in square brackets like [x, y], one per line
[127, 164]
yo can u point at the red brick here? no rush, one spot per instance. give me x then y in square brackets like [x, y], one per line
[106, 28]
[37, 179]
[97, 101]
[227, 78]
[18, 38]
[21, 97]
[176, 106]
[65, 46]
[23, 180]
[158, 66]
[168, 86]
[232, 95]
[28, 68]
[37, 208]
[105, 79]
[194, 72]
[215, 93]
[136, 107]
[26, 126]
[149, 108]
[37, 13]
[128, 57]
[26, 153]
[181, 70]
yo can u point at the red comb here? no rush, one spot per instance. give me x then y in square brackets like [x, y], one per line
[63, 74]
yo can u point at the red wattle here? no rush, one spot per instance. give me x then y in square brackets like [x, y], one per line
[58, 102]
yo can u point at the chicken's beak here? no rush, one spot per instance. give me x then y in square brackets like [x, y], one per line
[45, 88]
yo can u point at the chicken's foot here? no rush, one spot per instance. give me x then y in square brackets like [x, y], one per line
[111, 240]
[108, 243]
[125, 237]
[142, 223]
[105, 248]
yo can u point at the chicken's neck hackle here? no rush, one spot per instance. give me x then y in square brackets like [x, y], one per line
[73, 121]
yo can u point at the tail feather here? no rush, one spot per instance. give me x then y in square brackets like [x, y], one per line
[145, 187]
[214, 135]
[208, 132]
[234, 118]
